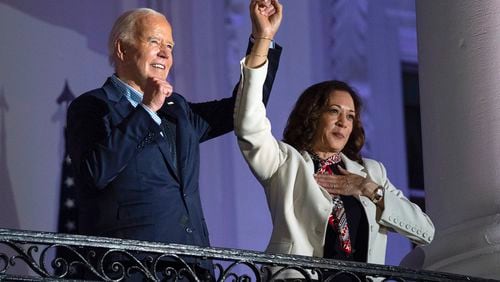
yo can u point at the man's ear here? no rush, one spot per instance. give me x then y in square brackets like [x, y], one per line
[120, 50]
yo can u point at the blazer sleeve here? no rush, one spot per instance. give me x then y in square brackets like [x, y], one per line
[263, 153]
[215, 118]
[101, 143]
[400, 214]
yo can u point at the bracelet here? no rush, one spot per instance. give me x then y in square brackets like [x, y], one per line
[266, 38]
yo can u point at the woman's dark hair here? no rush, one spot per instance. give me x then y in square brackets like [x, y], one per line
[303, 120]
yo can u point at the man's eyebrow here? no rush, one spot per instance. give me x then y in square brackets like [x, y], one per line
[166, 41]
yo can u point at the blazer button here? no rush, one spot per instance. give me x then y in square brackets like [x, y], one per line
[189, 230]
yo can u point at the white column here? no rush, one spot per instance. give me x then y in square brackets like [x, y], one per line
[459, 67]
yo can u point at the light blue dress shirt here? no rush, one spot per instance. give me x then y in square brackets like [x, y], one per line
[133, 96]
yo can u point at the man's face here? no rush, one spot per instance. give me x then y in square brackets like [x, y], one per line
[149, 54]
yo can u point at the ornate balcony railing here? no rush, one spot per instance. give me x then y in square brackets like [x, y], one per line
[62, 257]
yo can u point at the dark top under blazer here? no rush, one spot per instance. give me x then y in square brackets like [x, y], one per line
[127, 186]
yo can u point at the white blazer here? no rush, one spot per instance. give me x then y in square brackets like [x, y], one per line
[299, 207]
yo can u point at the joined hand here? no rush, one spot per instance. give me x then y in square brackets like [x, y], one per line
[266, 17]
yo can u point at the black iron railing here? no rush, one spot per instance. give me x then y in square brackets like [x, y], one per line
[55, 256]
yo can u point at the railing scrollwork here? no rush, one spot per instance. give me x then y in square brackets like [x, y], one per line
[54, 256]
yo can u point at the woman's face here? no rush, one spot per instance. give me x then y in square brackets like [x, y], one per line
[334, 125]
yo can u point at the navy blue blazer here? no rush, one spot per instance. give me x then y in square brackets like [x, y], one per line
[127, 184]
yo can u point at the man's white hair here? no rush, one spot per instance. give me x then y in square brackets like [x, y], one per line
[124, 29]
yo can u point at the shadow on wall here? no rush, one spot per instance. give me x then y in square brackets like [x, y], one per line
[75, 17]
[8, 211]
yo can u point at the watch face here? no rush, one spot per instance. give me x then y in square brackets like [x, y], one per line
[378, 195]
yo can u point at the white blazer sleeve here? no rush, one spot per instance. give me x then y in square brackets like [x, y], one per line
[400, 214]
[251, 126]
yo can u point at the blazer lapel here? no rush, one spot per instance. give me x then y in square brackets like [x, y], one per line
[310, 166]
[122, 105]
[164, 148]
[353, 166]
[123, 108]
[183, 140]
[170, 112]
[173, 110]
[308, 160]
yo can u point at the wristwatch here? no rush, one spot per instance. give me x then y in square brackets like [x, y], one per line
[378, 194]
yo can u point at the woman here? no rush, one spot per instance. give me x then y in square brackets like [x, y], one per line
[325, 199]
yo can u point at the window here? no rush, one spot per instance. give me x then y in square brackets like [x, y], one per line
[413, 133]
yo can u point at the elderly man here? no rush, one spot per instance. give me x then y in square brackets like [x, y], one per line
[134, 143]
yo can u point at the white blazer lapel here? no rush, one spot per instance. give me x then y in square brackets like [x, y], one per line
[353, 166]
[310, 167]
[308, 160]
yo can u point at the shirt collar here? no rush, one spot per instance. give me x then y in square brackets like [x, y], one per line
[134, 96]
